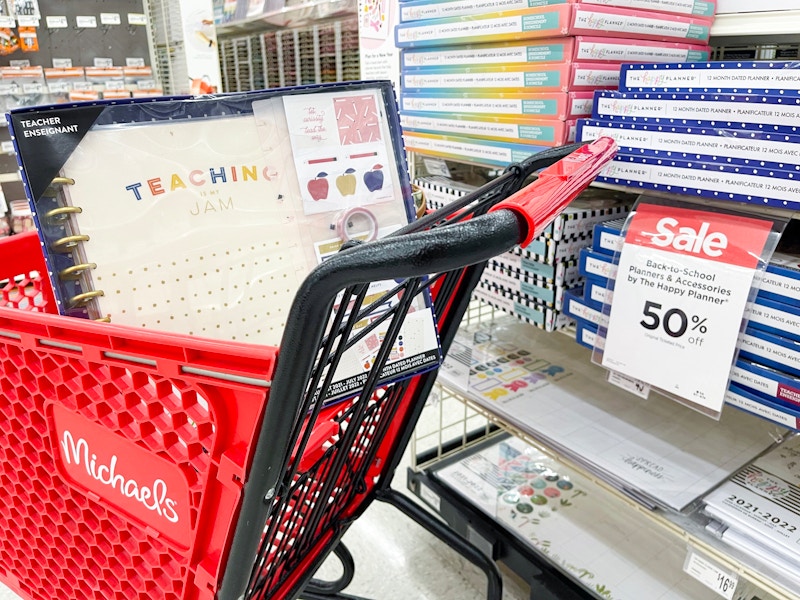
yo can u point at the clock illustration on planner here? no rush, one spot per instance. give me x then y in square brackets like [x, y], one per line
[357, 119]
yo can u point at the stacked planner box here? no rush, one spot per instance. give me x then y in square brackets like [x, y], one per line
[726, 130]
[766, 377]
[534, 283]
[495, 86]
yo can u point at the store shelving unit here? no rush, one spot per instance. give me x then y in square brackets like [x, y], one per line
[302, 44]
[464, 424]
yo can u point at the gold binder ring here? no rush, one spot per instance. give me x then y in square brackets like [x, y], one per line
[62, 213]
[82, 299]
[75, 271]
[51, 191]
[66, 244]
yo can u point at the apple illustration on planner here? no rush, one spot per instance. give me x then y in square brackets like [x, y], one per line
[318, 187]
[346, 183]
[374, 179]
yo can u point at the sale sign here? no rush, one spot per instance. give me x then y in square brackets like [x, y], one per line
[682, 285]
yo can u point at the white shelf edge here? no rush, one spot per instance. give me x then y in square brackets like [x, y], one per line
[777, 22]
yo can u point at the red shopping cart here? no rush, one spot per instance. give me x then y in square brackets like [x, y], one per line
[137, 464]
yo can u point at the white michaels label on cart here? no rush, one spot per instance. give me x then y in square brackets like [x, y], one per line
[682, 285]
[123, 474]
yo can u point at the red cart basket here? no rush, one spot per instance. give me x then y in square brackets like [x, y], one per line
[138, 464]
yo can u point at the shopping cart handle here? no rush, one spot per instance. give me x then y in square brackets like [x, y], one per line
[540, 202]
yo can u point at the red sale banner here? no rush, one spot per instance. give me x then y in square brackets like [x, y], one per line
[711, 236]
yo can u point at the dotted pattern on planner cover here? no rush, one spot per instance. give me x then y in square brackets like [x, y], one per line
[211, 299]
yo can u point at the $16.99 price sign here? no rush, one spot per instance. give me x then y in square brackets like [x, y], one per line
[682, 284]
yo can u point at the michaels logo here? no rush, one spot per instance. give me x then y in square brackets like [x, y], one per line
[152, 496]
[119, 472]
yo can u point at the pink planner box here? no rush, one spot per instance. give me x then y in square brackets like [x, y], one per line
[702, 8]
[554, 21]
[629, 50]
[589, 19]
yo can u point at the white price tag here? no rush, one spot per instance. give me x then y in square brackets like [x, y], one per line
[28, 21]
[710, 574]
[436, 166]
[137, 19]
[429, 496]
[146, 84]
[115, 84]
[86, 21]
[33, 88]
[58, 87]
[681, 288]
[110, 19]
[56, 22]
[134, 62]
[83, 86]
[24, 63]
[7, 147]
[634, 386]
[103, 62]
[7, 22]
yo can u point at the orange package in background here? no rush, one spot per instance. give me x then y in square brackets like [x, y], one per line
[29, 41]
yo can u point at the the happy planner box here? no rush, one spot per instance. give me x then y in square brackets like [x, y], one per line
[417, 10]
[500, 128]
[551, 50]
[553, 21]
[542, 77]
[552, 105]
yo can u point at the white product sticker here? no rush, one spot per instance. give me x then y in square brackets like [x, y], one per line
[134, 61]
[56, 22]
[682, 285]
[634, 386]
[86, 21]
[8, 22]
[103, 62]
[27, 21]
[429, 496]
[710, 574]
[137, 19]
[62, 63]
[110, 19]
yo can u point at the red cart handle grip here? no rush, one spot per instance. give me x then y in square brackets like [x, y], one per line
[539, 203]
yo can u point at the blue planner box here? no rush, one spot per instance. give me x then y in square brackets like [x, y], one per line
[596, 293]
[767, 383]
[754, 185]
[607, 236]
[776, 352]
[740, 111]
[777, 318]
[586, 334]
[770, 410]
[706, 143]
[577, 308]
[597, 265]
[744, 77]
[781, 280]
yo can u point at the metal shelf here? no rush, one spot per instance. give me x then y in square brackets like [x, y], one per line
[756, 27]
[308, 13]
